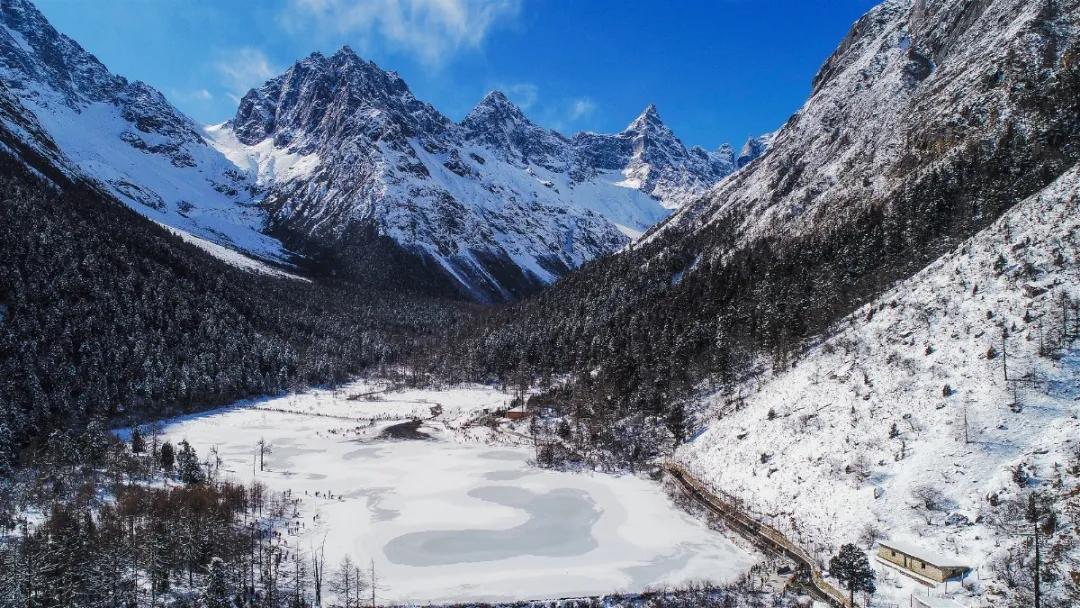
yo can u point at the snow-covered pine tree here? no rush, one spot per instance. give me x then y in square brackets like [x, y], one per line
[187, 465]
[217, 585]
[851, 568]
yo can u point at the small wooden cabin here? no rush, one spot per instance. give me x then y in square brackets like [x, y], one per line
[920, 562]
[517, 413]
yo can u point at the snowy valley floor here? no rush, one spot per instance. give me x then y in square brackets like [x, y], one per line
[459, 516]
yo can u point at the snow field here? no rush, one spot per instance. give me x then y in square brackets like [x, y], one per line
[450, 521]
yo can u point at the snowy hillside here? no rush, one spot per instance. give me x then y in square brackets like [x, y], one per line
[502, 205]
[62, 103]
[905, 405]
[917, 88]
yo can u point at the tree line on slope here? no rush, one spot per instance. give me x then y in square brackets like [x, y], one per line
[104, 313]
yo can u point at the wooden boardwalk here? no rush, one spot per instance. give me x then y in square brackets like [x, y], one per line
[763, 536]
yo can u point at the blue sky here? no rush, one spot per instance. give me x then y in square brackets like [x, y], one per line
[718, 70]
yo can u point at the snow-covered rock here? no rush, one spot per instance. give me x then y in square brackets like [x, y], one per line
[754, 148]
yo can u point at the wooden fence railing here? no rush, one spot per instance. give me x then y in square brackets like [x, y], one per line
[727, 507]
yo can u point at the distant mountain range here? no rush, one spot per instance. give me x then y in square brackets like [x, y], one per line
[336, 167]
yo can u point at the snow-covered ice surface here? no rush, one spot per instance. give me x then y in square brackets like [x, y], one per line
[449, 519]
[811, 448]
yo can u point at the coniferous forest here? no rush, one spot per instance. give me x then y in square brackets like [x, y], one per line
[448, 281]
[105, 315]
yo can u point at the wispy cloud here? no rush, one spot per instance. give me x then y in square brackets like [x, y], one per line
[524, 94]
[431, 30]
[581, 107]
[244, 68]
[196, 95]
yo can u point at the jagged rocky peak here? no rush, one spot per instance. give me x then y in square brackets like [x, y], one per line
[753, 149]
[322, 96]
[498, 123]
[35, 59]
[648, 121]
[50, 57]
[494, 109]
[653, 141]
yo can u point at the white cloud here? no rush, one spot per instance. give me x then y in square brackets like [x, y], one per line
[581, 108]
[524, 94]
[432, 30]
[243, 69]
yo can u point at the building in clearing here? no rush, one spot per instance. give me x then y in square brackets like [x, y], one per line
[517, 413]
[921, 564]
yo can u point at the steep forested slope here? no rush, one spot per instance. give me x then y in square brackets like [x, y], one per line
[103, 313]
[929, 121]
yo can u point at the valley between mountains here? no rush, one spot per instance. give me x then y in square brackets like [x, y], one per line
[342, 350]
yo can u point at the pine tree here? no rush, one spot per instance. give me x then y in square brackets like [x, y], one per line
[851, 567]
[7, 450]
[217, 587]
[168, 457]
[138, 444]
[187, 465]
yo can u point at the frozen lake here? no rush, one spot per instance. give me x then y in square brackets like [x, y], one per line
[451, 520]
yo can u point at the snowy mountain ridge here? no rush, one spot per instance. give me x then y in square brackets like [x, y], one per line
[338, 151]
[915, 87]
[62, 103]
[502, 205]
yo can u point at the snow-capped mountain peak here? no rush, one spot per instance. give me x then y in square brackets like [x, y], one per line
[501, 204]
[498, 123]
[647, 121]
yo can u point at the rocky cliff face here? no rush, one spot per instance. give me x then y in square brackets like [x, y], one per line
[494, 206]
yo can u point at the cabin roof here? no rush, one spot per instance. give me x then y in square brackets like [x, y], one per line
[929, 556]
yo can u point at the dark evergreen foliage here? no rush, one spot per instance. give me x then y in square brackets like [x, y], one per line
[107, 314]
[851, 568]
[167, 458]
[187, 465]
